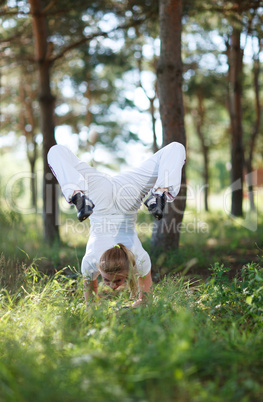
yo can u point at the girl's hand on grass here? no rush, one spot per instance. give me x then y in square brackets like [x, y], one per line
[138, 303]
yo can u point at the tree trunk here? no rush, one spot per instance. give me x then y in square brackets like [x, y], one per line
[256, 128]
[151, 99]
[50, 205]
[33, 186]
[32, 157]
[206, 177]
[205, 148]
[235, 56]
[46, 102]
[166, 232]
[27, 118]
[152, 111]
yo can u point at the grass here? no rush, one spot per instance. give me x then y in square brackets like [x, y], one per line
[208, 238]
[181, 346]
[198, 339]
[21, 239]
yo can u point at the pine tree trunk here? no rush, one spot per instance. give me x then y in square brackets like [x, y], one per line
[250, 185]
[152, 110]
[166, 233]
[33, 185]
[256, 129]
[206, 177]
[46, 102]
[205, 148]
[235, 57]
[50, 204]
[32, 158]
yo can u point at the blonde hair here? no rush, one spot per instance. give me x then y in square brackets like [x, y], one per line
[120, 260]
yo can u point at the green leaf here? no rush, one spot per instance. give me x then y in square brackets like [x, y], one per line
[249, 300]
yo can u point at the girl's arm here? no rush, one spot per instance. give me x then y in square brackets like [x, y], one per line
[145, 284]
[90, 287]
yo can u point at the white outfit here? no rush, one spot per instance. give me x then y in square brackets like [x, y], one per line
[117, 199]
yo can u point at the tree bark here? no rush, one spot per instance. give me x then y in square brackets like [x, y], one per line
[206, 176]
[166, 233]
[204, 146]
[46, 103]
[235, 61]
[256, 128]
[152, 111]
[26, 118]
[151, 99]
[32, 157]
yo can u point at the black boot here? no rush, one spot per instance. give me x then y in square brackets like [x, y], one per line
[155, 204]
[84, 206]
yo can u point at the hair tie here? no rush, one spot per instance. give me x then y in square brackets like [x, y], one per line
[117, 245]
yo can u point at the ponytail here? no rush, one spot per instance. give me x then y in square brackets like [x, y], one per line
[119, 259]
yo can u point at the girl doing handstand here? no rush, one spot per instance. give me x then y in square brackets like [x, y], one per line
[111, 203]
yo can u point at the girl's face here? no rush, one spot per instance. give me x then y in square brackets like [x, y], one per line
[113, 280]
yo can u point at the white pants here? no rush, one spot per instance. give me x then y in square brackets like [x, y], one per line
[117, 198]
[125, 190]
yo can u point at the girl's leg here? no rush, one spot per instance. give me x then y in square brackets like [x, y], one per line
[74, 175]
[163, 170]
[71, 173]
[170, 163]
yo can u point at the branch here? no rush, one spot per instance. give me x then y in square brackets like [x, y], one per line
[11, 38]
[44, 13]
[235, 8]
[79, 42]
[50, 5]
[16, 59]
[96, 35]
[7, 13]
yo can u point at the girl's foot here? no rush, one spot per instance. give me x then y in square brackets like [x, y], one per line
[83, 204]
[155, 204]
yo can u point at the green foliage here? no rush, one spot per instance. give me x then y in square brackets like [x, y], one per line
[21, 240]
[194, 341]
[54, 347]
[252, 287]
[238, 300]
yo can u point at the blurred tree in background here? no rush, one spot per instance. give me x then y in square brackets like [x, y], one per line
[166, 232]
